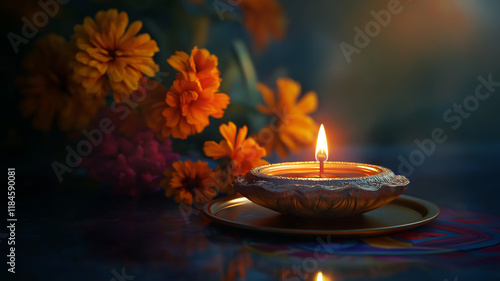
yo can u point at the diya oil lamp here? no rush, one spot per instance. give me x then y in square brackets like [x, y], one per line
[321, 188]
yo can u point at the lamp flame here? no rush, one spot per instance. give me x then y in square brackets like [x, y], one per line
[319, 277]
[321, 145]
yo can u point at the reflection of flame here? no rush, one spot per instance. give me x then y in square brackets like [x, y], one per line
[239, 263]
[319, 277]
[321, 145]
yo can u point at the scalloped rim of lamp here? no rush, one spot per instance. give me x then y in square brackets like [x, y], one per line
[316, 197]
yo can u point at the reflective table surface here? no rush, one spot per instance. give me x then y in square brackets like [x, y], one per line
[75, 231]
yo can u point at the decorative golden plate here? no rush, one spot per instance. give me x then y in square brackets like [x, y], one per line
[403, 213]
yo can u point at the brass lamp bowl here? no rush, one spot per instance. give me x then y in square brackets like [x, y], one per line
[345, 190]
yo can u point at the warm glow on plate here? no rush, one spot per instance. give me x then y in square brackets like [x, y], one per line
[321, 145]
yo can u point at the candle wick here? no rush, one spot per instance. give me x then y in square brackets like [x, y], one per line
[321, 157]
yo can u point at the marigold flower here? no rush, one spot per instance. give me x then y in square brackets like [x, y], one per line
[293, 128]
[190, 182]
[200, 65]
[243, 153]
[50, 93]
[190, 101]
[264, 19]
[108, 55]
[190, 106]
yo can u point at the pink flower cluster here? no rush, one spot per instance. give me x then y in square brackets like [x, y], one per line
[133, 165]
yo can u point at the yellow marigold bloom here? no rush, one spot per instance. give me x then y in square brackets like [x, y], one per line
[264, 19]
[190, 181]
[108, 55]
[50, 93]
[293, 127]
[244, 153]
[200, 65]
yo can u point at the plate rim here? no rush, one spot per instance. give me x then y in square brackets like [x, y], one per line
[432, 213]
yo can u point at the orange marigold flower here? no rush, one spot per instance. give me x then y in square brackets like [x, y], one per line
[50, 93]
[108, 55]
[294, 128]
[191, 99]
[190, 182]
[264, 19]
[243, 153]
[200, 65]
[189, 107]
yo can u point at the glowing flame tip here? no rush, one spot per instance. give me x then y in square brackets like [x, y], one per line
[321, 145]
